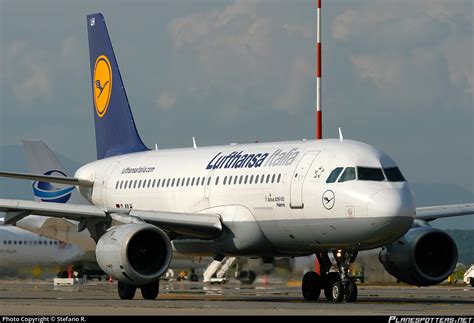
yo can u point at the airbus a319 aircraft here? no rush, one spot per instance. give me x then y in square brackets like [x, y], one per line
[330, 197]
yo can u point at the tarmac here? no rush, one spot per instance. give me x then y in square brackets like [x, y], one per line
[31, 297]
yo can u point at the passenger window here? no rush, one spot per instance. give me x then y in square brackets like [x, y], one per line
[268, 178]
[348, 175]
[246, 177]
[240, 179]
[225, 180]
[217, 180]
[279, 178]
[154, 182]
[116, 185]
[135, 184]
[256, 179]
[370, 174]
[202, 182]
[334, 175]
[192, 181]
[262, 179]
[172, 182]
[230, 180]
[235, 179]
[393, 174]
[158, 183]
[251, 179]
[121, 184]
[168, 182]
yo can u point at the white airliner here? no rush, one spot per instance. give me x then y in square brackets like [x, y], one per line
[329, 197]
[20, 248]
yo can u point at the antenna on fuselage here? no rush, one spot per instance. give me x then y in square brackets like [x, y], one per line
[194, 143]
[156, 147]
[341, 138]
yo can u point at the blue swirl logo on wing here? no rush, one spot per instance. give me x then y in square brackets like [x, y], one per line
[47, 192]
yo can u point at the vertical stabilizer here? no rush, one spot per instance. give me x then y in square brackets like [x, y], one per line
[115, 130]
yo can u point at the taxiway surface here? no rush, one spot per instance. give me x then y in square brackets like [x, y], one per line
[186, 298]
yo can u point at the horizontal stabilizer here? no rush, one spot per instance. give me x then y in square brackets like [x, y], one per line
[49, 179]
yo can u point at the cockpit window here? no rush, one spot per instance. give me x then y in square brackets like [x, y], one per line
[393, 174]
[348, 175]
[334, 174]
[370, 174]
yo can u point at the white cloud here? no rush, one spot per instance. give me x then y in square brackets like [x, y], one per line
[394, 44]
[342, 24]
[72, 54]
[459, 55]
[383, 71]
[292, 96]
[28, 72]
[35, 85]
[166, 101]
[301, 30]
[221, 35]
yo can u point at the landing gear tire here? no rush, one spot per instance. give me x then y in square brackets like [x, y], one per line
[150, 291]
[337, 292]
[311, 286]
[330, 279]
[350, 292]
[126, 291]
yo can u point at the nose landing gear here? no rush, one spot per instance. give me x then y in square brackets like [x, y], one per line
[334, 278]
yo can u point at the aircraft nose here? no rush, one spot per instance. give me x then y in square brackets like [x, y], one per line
[392, 203]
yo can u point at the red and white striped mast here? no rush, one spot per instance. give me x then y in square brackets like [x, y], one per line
[319, 123]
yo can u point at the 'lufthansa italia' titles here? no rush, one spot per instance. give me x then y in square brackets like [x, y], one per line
[240, 160]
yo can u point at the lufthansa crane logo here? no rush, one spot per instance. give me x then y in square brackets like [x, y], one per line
[328, 199]
[102, 84]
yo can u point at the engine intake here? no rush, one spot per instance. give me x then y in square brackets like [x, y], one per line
[424, 256]
[134, 253]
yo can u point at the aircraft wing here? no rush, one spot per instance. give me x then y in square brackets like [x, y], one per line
[431, 213]
[48, 178]
[199, 225]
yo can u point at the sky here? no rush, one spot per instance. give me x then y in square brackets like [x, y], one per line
[396, 74]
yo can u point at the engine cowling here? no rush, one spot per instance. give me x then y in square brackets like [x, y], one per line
[424, 256]
[134, 253]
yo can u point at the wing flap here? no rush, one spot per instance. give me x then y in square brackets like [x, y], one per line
[431, 213]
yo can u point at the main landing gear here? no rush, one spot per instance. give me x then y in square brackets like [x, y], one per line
[337, 285]
[149, 291]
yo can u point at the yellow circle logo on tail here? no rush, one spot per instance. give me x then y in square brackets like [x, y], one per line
[102, 85]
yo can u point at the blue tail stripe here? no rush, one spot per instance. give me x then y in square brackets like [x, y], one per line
[115, 128]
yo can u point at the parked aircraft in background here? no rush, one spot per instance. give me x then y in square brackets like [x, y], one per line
[330, 197]
[22, 249]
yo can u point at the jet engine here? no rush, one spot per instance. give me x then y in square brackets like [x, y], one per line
[424, 256]
[137, 254]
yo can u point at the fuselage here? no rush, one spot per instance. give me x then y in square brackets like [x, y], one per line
[283, 198]
[22, 248]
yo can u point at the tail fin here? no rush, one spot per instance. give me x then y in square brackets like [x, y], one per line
[115, 131]
[41, 160]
